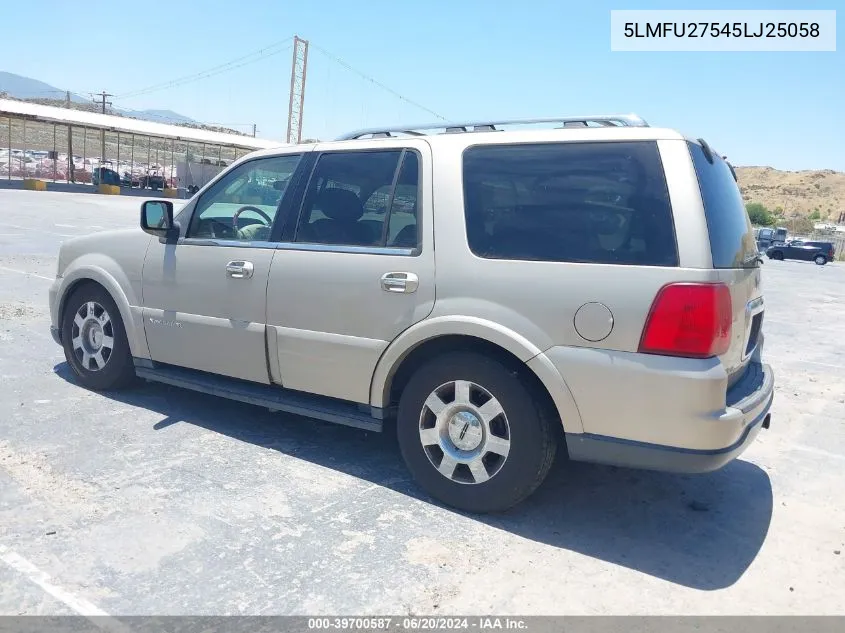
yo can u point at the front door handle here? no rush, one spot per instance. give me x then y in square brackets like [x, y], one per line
[400, 282]
[239, 270]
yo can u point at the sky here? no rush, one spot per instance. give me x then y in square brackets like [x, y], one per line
[459, 59]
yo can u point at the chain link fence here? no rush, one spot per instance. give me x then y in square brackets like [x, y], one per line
[74, 154]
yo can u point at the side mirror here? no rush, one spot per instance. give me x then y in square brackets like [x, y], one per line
[157, 218]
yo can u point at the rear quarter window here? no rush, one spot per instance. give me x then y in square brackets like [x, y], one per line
[732, 242]
[602, 203]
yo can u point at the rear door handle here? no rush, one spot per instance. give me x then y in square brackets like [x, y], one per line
[400, 282]
[239, 270]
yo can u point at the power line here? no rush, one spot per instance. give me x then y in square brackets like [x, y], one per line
[259, 54]
[337, 60]
[143, 115]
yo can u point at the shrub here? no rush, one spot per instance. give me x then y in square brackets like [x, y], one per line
[759, 214]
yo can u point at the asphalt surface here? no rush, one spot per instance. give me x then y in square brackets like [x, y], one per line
[159, 501]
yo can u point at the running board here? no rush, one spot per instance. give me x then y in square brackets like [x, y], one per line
[272, 397]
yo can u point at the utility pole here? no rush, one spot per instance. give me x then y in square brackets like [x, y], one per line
[254, 128]
[70, 165]
[103, 95]
[296, 107]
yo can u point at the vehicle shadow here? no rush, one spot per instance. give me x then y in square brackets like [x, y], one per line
[700, 531]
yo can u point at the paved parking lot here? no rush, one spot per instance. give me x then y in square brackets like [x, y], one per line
[158, 501]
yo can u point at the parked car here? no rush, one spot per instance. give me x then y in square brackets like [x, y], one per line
[130, 180]
[767, 237]
[810, 251]
[105, 176]
[570, 305]
[152, 180]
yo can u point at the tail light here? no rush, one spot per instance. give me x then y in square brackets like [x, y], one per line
[689, 319]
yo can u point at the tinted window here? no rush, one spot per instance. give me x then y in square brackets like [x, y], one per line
[732, 243]
[243, 203]
[569, 202]
[362, 199]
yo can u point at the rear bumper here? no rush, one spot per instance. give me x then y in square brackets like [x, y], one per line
[619, 452]
[661, 413]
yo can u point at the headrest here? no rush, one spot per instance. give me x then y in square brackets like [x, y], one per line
[340, 204]
[407, 237]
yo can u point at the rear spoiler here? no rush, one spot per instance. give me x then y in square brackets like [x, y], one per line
[708, 154]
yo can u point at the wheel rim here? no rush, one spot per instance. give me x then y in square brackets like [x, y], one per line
[92, 336]
[820, 260]
[464, 432]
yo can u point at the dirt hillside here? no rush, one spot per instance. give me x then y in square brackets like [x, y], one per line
[796, 192]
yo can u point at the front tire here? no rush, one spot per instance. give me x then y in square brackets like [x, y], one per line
[472, 433]
[820, 260]
[94, 340]
[777, 256]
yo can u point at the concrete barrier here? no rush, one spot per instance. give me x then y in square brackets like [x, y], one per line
[70, 187]
[111, 190]
[171, 193]
[33, 184]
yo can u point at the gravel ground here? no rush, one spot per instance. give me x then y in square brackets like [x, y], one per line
[158, 501]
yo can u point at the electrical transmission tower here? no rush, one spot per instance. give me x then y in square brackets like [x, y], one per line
[297, 89]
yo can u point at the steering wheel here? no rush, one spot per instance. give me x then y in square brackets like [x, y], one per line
[249, 208]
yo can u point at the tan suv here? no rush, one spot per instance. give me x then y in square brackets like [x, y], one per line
[497, 291]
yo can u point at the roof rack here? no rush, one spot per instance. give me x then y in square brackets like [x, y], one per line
[611, 120]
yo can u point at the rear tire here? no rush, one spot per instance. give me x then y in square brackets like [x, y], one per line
[94, 340]
[491, 445]
[820, 260]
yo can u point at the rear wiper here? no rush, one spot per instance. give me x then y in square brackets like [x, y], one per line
[752, 258]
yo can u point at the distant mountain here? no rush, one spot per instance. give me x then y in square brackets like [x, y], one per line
[27, 88]
[162, 116]
[817, 195]
[21, 87]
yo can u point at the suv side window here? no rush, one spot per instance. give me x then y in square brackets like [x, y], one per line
[603, 203]
[243, 203]
[362, 198]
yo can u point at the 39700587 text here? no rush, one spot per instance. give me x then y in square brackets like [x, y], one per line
[349, 624]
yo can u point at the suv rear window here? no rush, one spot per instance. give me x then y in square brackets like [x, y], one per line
[604, 203]
[732, 242]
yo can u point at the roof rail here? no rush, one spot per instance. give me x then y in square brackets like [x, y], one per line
[611, 120]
